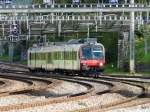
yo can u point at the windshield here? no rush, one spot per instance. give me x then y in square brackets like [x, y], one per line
[86, 53]
[97, 52]
[92, 52]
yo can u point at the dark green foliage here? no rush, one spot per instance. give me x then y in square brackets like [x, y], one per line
[109, 40]
[138, 33]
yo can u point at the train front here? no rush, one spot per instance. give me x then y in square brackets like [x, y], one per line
[92, 58]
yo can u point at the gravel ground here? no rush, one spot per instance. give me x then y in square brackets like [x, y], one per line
[12, 85]
[127, 90]
[140, 108]
[74, 105]
[18, 99]
[65, 88]
[99, 87]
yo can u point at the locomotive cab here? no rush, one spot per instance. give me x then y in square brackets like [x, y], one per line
[92, 57]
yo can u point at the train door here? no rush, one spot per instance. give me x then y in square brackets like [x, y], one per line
[72, 57]
[64, 58]
[30, 58]
[35, 59]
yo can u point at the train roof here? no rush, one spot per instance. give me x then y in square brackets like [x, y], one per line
[71, 44]
[58, 47]
[55, 47]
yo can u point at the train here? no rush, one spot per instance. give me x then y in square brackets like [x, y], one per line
[69, 57]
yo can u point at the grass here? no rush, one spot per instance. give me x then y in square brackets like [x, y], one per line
[4, 58]
[24, 62]
[111, 68]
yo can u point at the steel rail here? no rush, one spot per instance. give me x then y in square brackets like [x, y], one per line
[133, 83]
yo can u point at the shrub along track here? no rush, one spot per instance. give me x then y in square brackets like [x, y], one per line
[109, 81]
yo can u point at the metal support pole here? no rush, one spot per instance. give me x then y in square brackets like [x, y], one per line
[59, 28]
[96, 27]
[147, 16]
[132, 42]
[88, 33]
[28, 28]
[11, 52]
[145, 40]
[1, 48]
[3, 27]
[100, 18]
[29, 32]
[45, 39]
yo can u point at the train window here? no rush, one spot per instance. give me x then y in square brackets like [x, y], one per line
[45, 56]
[55, 55]
[97, 52]
[65, 55]
[86, 53]
[74, 55]
[49, 57]
[70, 55]
[59, 55]
[39, 56]
[42, 56]
[62, 55]
[32, 56]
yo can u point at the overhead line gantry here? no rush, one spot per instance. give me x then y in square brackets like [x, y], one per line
[26, 13]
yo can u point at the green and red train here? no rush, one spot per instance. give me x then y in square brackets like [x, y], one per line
[67, 57]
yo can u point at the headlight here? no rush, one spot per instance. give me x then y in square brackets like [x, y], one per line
[101, 64]
[84, 64]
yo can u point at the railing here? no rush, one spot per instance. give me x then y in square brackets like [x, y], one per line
[73, 6]
[111, 17]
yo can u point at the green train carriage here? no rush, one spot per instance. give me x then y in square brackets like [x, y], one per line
[54, 57]
[67, 57]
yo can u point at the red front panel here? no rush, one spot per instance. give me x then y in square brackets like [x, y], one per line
[92, 63]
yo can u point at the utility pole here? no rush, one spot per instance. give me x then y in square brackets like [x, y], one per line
[145, 39]
[132, 40]
[59, 28]
[88, 33]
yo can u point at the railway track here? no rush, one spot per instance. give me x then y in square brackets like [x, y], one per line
[33, 84]
[113, 87]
